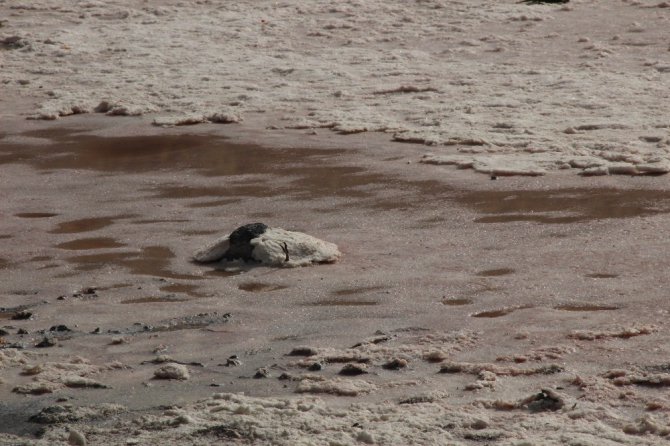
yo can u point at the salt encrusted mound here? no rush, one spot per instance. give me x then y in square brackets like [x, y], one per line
[257, 242]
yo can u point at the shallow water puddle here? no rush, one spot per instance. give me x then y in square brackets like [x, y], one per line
[500, 312]
[152, 261]
[457, 302]
[91, 243]
[586, 307]
[86, 224]
[150, 300]
[602, 276]
[495, 272]
[258, 287]
[566, 205]
[359, 290]
[35, 215]
[342, 303]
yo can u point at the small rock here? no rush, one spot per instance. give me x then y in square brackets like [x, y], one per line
[3, 332]
[22, 315]
[365, 437]
[354, 369]
[435, 356]
[396, 364]
[59, 328]
[315, 367]
[118, 340]
[46, 342]
[263, 372]
[303, 351]
[22, 331]
[172, 371]
[76, 438]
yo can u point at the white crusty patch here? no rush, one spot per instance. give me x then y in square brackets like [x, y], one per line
[275, 245]
[213, 252]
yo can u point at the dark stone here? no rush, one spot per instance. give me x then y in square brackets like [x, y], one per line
[240, 246]
[22, 315]
[22, 331]
[3, 332]
[539, 2]
[315, 367]
[46, 342]
[59, 328]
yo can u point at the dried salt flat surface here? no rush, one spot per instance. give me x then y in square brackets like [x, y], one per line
[497, 86]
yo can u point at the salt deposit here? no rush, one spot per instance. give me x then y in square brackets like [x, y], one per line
[502, 87]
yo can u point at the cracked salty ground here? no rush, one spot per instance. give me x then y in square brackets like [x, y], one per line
[527, 310]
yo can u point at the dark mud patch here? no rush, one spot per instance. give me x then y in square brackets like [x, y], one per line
[215, 203]
[257, 287]
[86, 224]
[5, 236]
[359, 290]
[152, 300]
[457, 302]
[342, 303]
[566, 205]
[191, 322]
[4, 263]
[35, 215]
[151, 261]
[496, 272]
[586, 307]
[91, 243]
[602, 276]
[183, 288]
[38, 259]
[500, 312]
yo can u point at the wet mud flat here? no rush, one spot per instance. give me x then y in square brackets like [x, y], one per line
[526, 285]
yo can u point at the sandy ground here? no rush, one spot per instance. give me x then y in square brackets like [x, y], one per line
[526, 310]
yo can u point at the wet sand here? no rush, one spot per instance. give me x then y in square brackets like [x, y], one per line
[99, 231]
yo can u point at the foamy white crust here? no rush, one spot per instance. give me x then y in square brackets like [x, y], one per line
[302, 249]
[497, 79]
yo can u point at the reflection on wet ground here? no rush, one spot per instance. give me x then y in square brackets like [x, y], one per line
[91, 243]
[150, 300]
[495, 272]
[86, 224]
[586, 307]
[566, 205]
[311, 174]
[360, 290]
[35, 215]
[342, 303]
[500, 312]
[457, 302]
[258, 287]
[151, 261]
[602, 276]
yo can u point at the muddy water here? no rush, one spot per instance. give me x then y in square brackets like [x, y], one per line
[91, 243]
[299, 173]
[151, 261]
[566, 205]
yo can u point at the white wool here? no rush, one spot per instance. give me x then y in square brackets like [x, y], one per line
[271, 247]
